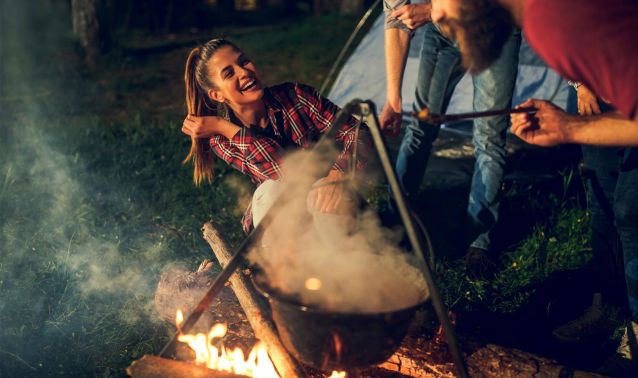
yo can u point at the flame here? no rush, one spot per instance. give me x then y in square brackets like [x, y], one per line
[338, 374]
[179, 318]
[257, 364]
[313, 284]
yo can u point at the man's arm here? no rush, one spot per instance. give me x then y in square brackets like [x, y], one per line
[551, 126]
[608, 129]
[397, 45]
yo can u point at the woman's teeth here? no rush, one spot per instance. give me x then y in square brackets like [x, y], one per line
[249, 85]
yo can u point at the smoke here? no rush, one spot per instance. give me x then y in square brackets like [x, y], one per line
[240, 186]
[335, 262]
[52, 199]
[76, 281]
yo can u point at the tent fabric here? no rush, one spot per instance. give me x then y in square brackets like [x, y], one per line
[363, 76]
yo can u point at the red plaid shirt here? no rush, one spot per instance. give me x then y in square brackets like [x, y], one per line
[298, 116]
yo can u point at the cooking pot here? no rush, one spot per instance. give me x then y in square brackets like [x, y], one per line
[333, 340]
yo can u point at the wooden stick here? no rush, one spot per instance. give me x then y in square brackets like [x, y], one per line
[425, 115]
[151, 367]
[255, 307]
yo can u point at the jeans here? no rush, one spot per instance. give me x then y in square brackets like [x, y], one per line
[440, 71]
[613, 203]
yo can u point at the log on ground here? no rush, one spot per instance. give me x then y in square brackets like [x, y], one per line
[489, 361]
[255, 307]
[151, 367]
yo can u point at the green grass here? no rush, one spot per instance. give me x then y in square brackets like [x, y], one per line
[559, 243]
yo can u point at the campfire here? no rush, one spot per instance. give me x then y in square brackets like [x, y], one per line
[211, 352]
[417, 357]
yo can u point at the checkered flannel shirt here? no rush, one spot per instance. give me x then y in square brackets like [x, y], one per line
[298, 116]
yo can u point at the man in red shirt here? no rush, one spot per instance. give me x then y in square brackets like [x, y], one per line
[591, 42]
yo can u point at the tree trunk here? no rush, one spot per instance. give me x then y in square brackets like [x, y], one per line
[89, 28]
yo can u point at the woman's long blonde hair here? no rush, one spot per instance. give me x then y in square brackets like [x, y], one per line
[198, 103]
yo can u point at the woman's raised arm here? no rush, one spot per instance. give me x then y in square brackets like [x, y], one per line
[208, 126]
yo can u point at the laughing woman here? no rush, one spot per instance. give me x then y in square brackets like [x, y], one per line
[232, 115]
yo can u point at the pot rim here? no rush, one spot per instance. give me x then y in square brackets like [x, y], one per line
[272, 294]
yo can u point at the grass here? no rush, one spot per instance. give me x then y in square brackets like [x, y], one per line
[558, 241]
[95, 202]
[557, 244]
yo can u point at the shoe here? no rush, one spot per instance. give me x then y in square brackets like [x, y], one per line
[478, 264]
[586, 327]
[624, 363]
[628, 347]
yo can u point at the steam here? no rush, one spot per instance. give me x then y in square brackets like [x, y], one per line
[334, 262]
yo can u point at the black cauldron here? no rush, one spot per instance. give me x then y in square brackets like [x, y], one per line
[327, 340]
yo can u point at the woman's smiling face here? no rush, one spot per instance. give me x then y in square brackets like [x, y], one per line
[234, 76]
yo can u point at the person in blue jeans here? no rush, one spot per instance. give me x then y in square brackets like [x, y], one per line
[440, 70]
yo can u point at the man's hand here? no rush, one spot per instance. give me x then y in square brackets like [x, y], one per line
[587, 101]
[207, 126]
[413, 15]
[549, 126]
[328, 198]
[390, 120]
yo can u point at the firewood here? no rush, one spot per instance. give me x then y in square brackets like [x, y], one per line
[255, 307]
[497, 361]
[489, 361]
[152, 366]
[403, 364]
[181, 289]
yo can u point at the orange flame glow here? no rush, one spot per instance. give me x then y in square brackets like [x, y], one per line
[313, 284]
[257, 364]
[338, 374]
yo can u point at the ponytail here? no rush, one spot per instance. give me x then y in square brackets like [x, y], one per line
[196, 104]
[199, 104]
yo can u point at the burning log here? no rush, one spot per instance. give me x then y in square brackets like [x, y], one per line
[180, 289]
[255, 307]
[152, 366]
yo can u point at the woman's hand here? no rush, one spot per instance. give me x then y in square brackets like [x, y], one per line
[328, 198]
[587, 101]
[207, 126]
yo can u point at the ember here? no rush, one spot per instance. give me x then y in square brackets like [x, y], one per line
[257, 364]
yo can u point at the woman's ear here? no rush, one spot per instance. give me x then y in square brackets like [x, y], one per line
[216, 95]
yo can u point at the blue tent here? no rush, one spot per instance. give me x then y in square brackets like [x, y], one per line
[363, 76]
